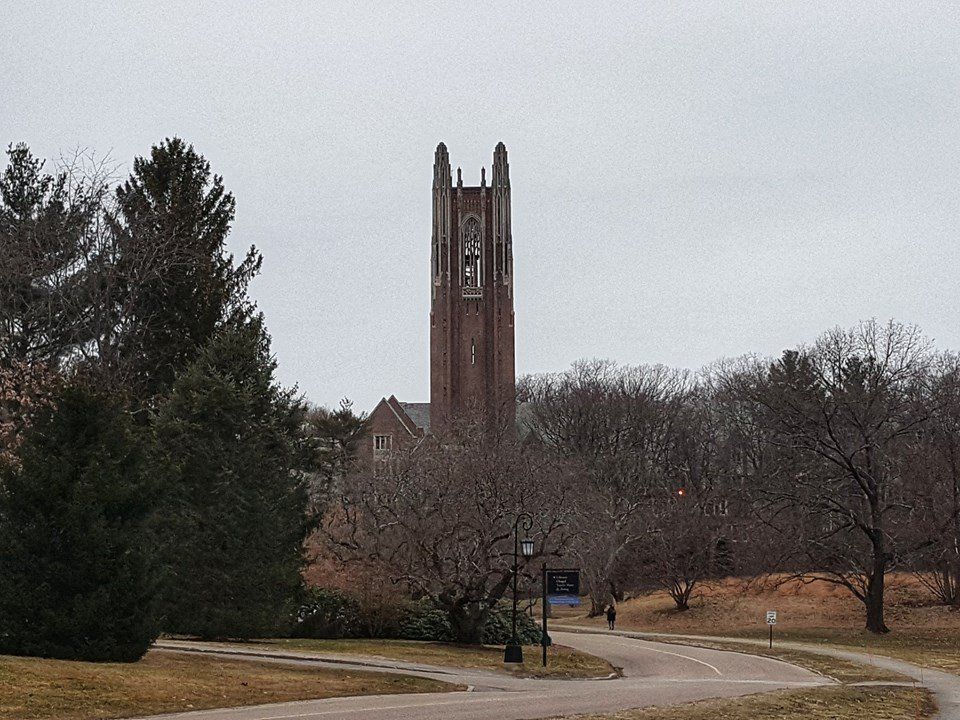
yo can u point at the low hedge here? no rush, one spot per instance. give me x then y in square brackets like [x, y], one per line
[332, 614]
[425, 621]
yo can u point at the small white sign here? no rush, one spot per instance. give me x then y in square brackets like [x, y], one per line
[771, 617]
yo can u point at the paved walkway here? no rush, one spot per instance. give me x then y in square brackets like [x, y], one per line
[945, 686]
[654, 673]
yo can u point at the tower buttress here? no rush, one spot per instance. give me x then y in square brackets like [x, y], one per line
[440, 254]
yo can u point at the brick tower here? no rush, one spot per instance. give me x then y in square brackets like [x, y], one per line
[471, 309]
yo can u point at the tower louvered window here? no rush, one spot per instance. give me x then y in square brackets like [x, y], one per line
[472, 253]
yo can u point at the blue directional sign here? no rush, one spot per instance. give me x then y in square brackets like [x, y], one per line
[563, 587]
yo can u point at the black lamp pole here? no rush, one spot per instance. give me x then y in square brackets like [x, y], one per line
[513, 652]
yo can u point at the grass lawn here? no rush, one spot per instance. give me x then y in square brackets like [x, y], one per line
[562, 662]
[937, 647]
[828, 703]
[37, 689]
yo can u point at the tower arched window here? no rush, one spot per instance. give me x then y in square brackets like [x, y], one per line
[472, 253]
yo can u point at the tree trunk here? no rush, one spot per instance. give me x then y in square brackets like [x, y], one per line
[952, 571]
[680, 592]
[598, 596]
[953, 580]
[466, 622]
[875, 583]
[874, 596]
[596, 606]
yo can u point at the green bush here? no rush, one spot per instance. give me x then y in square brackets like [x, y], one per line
[496, 631]
[327, 614]
[425, 621]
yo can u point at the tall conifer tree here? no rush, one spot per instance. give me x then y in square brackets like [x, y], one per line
[172, 224]
[236, 516]
[77, 561]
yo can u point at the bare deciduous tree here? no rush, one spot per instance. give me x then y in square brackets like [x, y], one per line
[24, 391]
[617, 424]
[439, 519]
[932, 470]
[843, 411]
[50, 234]
[681, 552]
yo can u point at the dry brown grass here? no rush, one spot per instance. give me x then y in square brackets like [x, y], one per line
[563, 662]
[37, 689]
[936, 648]
[818, 613]
[738, 607]
[827, 703]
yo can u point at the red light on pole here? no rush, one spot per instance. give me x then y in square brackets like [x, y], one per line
[681, 492]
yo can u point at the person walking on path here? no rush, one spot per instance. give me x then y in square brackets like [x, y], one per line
[611, 616]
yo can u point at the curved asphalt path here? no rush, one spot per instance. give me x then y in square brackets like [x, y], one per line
[944, 686]
[653, 674]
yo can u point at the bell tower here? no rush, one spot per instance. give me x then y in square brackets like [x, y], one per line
[471, 309]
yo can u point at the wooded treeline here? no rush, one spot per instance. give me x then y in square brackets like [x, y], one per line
[837, 461]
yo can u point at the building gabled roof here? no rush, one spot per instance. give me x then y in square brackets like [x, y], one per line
[419, 413]
[401, 415]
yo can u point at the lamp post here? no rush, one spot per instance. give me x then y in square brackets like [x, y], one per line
[513, 652]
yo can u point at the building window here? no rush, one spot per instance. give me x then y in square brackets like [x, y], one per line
[382, 442]
[472, 253]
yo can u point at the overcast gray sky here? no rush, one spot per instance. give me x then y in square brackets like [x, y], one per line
[690, 180]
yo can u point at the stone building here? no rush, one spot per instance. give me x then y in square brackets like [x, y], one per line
[471, 311]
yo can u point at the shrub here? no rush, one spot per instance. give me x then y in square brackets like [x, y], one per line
[425, 621]
[496, 630]
[325, 613]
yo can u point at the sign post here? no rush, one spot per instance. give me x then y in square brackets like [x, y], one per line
[543, 637]
[771, 621]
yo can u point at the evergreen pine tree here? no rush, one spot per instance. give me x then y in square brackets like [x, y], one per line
[173, 219]
[235, 519]
[78, 577]
[335, 436]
